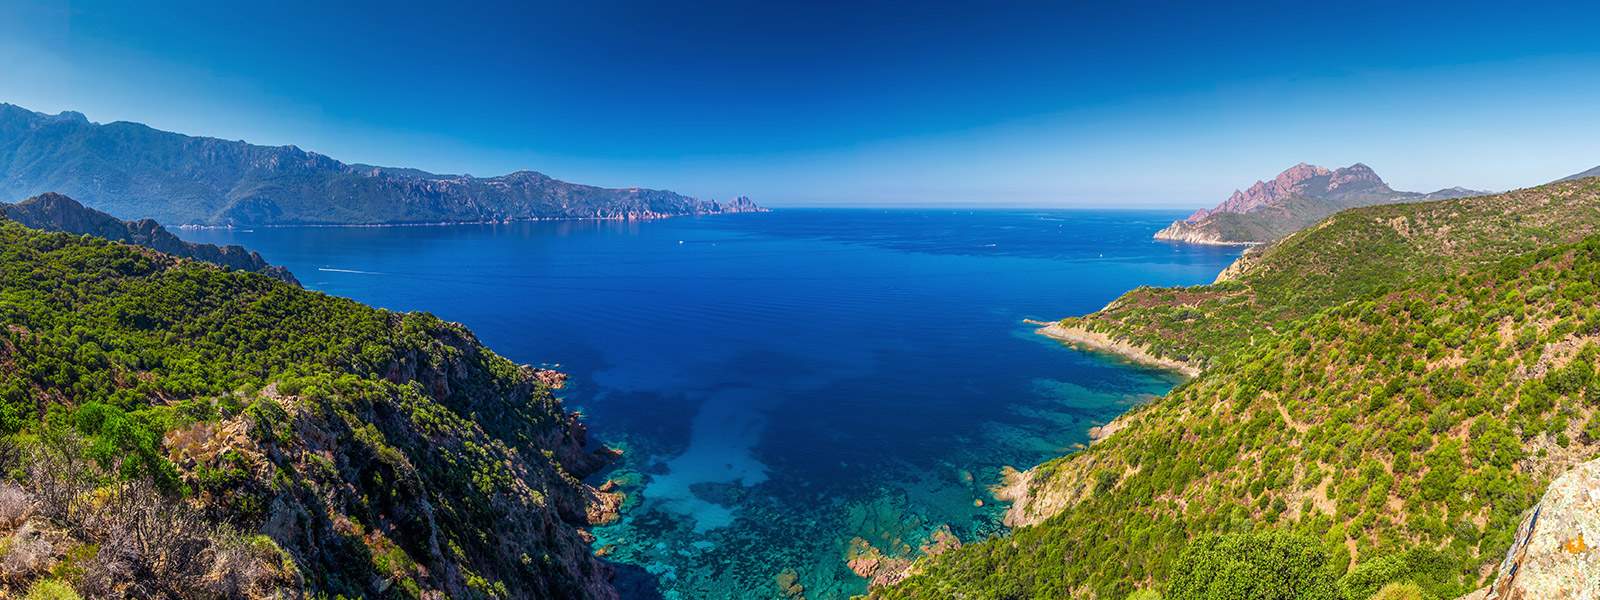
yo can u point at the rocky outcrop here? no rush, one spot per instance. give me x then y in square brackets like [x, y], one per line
[1556, 554]
[1299, 196]
[55, 212]
[1202, 233]
[467, 481]
[133, 171]
[879, 568]
[883, 569]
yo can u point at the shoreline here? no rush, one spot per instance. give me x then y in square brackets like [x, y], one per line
[1204, 242]
[628, 218]
[1084, 339]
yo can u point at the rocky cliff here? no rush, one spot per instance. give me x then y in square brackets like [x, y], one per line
[171, 429]
[133, 171]
[55, 212]
[1297, 197]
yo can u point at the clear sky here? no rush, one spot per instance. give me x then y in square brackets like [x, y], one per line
[984, 103]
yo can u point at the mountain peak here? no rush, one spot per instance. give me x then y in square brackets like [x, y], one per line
[1301, 172]
[1299, 196]
[51, 198]
[70, 116]
[1302, 179]
[1356, 175]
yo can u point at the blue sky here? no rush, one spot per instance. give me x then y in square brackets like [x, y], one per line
[984, 103]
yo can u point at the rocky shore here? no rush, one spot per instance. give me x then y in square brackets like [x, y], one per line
[1098, 342]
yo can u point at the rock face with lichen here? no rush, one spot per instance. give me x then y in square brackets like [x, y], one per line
[1557, 550]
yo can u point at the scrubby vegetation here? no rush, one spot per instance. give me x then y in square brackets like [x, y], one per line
[177, 427]
[1355, 254]
[1403, 428]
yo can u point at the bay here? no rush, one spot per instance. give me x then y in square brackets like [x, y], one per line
[783, 384]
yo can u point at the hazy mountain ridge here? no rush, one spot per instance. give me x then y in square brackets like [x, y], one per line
[1595, 172]
[55, 212]
[1299, 196]
[134, 171]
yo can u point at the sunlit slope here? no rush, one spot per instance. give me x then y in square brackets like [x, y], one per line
[1422, 418]
[1353, 254]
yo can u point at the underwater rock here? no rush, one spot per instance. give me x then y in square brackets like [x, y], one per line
[717, 492]
[789, 585]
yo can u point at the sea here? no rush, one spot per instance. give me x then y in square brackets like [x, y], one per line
[784, 385]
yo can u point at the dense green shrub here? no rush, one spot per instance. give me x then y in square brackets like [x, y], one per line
[1269, 565]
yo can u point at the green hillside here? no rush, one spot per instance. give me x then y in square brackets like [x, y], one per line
[1353, 254]
[274, 438]
[1401, 432]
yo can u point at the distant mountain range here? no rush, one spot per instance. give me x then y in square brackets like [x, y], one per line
[1595, 172]
[133, 171]
[1296, 198]
[55, 212]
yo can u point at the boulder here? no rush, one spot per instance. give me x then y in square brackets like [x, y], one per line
[1556, 555]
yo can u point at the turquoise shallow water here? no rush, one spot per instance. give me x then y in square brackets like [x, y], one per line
[783, 383]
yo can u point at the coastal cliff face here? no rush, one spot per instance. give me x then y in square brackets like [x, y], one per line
[1299, 196]
[299, 445]
[1432, 368]
[133, 171]
[55, 212]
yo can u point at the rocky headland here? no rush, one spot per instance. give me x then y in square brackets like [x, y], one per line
[55, 212]
[1299, 196]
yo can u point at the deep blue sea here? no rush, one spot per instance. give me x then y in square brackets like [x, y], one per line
[784, 382]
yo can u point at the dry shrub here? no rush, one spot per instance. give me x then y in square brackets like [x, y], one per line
[60, 479]
[16, 505]
[150, 544]
[29, 552]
